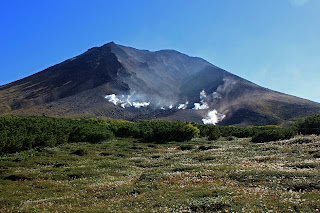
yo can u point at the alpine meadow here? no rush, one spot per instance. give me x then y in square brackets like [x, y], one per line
[160, 106]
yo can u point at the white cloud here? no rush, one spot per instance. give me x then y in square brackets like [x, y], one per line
[298, 3]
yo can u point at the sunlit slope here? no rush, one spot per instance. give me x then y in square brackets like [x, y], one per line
[126, 83]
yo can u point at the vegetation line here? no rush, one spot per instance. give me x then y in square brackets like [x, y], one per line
[22, 133]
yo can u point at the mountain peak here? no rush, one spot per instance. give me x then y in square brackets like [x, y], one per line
[107, 45]
[127, 83]
[111, 43]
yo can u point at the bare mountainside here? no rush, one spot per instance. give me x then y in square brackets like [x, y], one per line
[114, 81]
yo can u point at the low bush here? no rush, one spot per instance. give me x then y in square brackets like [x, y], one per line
[273, 135]
[123, 128]
[244, 132]
[17, 177]
[210, 131]
[239, 132]
[309, 125]
[22, 133]
[89, 133]
[80, 152]
[185, 147]
[165, 131]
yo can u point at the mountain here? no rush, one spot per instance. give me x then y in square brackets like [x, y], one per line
[114, 81]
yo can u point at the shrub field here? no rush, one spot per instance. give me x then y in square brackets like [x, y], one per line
[90, 165]
[22, 133]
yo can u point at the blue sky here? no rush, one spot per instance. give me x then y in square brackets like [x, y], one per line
[274, 43]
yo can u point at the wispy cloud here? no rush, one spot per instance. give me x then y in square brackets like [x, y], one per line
[298, 3]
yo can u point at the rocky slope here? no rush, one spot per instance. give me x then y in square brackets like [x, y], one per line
[114, 81]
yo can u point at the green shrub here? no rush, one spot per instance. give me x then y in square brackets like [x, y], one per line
[164, 131]
[273, 135]
[210, 131]
[124, 128]
[90, 133]
[239, 132]
[213, 134]
[185, 132]
[22, 133]
[244, 132]
[309, 125]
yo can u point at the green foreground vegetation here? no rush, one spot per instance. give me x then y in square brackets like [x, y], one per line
[22, 133]
[126, 175]
[90, 165]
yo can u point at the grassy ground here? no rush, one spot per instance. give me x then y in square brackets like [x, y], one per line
[125, 175]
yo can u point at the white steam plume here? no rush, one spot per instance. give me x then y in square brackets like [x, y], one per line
[183, 106]
[225, 88]
[213, 117]
[203, 95]
[125, 101]
[140, 104]
[203, 104]
[113, 99]
[198, 106]
[216, 95]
